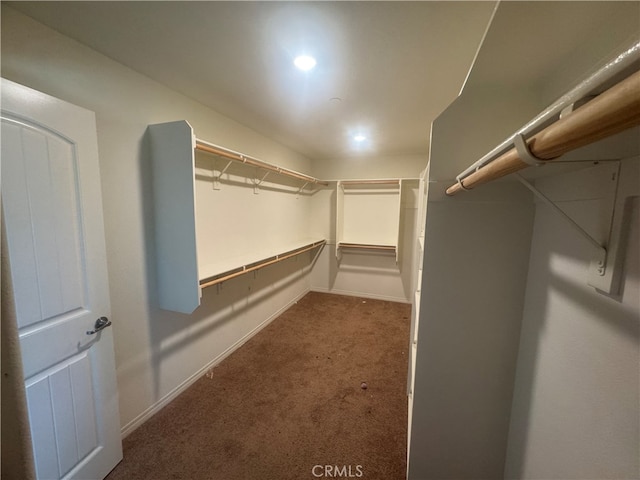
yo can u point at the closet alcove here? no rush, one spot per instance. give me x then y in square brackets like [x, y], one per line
[527, 341]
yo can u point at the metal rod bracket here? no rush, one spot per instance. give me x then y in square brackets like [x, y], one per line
[459, 179]
[301, 189]
[575, 105]
[257, 183]
[600, 258]
[524, 152]
[216, 178]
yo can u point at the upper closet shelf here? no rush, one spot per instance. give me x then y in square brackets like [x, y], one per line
[373, 181]
[231, 155]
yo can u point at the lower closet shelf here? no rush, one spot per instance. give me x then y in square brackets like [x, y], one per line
[367, 246]
[234, 267]
[370, 247]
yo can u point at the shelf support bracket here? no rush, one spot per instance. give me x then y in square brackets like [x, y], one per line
[301, 189]
[257, 183]
[601, 255]
[216, 178]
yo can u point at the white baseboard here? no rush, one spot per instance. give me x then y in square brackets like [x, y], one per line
[361, 294]
[156, 407]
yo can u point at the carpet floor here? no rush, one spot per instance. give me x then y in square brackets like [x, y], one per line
[290, 403]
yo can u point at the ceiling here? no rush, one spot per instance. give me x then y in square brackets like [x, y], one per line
[384, 69]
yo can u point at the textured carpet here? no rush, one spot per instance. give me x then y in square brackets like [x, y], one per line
[289, 404]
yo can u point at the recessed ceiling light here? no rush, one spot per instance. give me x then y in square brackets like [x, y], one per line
[359, 138]
[305, 62]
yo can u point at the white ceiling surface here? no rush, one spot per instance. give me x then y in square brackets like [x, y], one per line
[394, 65]
[534, 42]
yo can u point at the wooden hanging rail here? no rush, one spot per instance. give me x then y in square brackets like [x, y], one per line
[391, 181]
[210, 148]
[207, 282]
[613, 111]
[367, 246]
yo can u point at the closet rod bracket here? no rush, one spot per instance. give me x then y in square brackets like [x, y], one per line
[216, 178]
[524, 152]
[600, 258]
[301, 189]
[257, 183]
[575, 105]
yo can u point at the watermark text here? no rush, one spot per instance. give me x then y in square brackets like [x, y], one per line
[337, 471]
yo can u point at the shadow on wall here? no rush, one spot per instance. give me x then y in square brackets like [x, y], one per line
[574, 379]
[231, 301]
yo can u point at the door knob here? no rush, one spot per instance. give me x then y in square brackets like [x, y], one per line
[101, 323]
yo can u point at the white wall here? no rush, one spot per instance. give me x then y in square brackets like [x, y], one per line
[234, 219]
[576, 407]
[156, 351]
[372, 166]
[475, 261]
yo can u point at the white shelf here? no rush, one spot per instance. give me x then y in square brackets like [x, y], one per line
[230, 265]
[415, 318]
[184, 259]
[366, 246]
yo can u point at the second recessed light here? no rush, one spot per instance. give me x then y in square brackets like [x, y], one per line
[305, 62]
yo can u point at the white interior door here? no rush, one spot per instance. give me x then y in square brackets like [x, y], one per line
[52, 211]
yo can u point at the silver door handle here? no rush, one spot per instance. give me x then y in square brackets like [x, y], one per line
[101, 323]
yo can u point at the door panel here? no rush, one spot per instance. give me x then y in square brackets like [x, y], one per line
[52, 212]
[47, 212]
[66, 393]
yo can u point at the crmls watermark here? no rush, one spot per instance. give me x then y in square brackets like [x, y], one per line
[337, 471]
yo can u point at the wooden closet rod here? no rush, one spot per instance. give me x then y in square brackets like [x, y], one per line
[258, 265]
[238, 157]
[366, 246]
[613, 111]
[370, 182]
